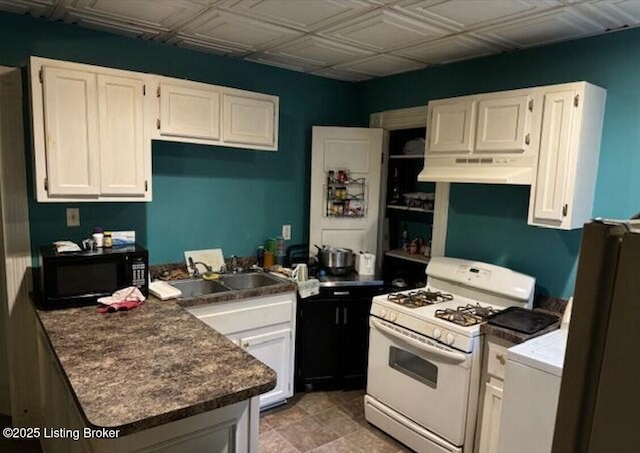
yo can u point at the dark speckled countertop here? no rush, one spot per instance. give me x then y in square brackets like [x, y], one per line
[152, 365]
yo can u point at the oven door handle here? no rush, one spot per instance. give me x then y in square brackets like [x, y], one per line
[455, 356]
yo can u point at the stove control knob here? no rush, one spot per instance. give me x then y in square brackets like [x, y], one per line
[393, 316]
[437, 333]
[383, 313]
[450, 338]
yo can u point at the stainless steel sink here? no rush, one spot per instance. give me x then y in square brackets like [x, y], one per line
[198, 287]
[249, 281]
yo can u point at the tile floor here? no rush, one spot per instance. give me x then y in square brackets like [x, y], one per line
[323, 422]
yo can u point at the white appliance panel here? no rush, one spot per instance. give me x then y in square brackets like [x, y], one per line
[423, 376]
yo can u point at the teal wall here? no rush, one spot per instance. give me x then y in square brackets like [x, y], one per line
[203, 196]
[211, 196]
[489, 222]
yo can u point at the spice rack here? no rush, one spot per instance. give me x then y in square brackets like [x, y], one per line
[345, 196]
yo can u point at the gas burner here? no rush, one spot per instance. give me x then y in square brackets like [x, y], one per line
[468, 315]
[419, 298]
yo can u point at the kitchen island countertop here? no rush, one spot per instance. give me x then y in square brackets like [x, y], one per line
[149, 366]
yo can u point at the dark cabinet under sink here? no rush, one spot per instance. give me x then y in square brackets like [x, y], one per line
[333, 338]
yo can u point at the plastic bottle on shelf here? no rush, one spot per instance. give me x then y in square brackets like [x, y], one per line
[280, 252]
[404, 240]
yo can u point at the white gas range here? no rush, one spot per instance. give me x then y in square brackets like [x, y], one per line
[425, 352]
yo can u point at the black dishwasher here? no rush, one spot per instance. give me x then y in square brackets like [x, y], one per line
[332, 340]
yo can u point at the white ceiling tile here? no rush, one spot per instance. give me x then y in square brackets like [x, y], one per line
[381, 65]
[33, 7]
[466, 14]
[205, 46]
[234, 31]
[146, 18]
[612, 14]
[542, 29]
[319, 51]
[383, 31]
[295, 64]
[449, 49]
[341, 74]
[344, 39]
[306, 15]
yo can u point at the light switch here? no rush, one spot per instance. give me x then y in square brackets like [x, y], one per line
[286, 232]
[73, 217]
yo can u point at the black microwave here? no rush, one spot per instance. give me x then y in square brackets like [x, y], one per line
[73, 279]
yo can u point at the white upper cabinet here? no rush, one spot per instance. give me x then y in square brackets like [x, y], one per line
[452, 125]
[563, 191]
[194, 112]
[249, 119]
[71, 124]
[122, 150]
[503, 123]
[485, 123]
[189, 110]
[89, 137]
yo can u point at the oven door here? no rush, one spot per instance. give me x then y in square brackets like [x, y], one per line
[420, 378]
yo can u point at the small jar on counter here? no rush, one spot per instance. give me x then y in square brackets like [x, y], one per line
[107, 240]
[98, 236]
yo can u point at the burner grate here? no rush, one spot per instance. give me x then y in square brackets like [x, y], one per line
[419, 298]
[468, 315]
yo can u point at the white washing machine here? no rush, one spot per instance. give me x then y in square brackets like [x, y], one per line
[531, 390]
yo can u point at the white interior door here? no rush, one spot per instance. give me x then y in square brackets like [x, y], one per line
[358, 150]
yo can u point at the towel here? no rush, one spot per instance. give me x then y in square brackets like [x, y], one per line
[131, 293]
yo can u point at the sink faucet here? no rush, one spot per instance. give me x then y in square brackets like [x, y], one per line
[234, 264]
[192, 265]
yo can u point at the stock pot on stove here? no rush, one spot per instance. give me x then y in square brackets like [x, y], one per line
[337, 261]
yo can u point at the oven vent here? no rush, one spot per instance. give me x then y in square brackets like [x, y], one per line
[475, 160]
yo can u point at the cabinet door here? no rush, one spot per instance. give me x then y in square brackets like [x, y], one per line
[451, 126]
[355, 344]
[71, 131]
[121, 135]
[189, 112]
[490, 431]
[503, 124]
[249, 120]
[318, 365]
[551, 181]
[358, 150]
[274, 349]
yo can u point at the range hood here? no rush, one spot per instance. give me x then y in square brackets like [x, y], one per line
[489, 170]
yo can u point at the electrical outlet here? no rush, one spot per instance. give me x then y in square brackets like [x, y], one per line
[286, 232]
[73, 217]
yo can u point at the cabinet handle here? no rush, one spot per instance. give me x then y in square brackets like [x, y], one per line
[527, 139]
[500, 358]
[341, 293]
[345, 314]
[337, 316]
[245, 345]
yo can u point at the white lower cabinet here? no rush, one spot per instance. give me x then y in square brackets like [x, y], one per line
[265, 328]
[490, 411]
[274, 349]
